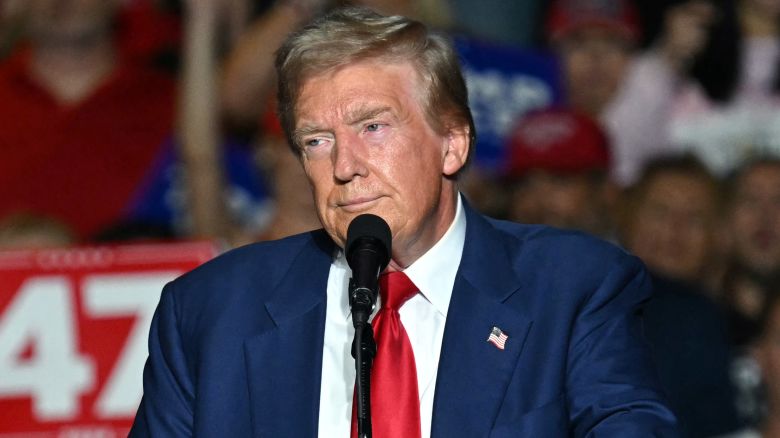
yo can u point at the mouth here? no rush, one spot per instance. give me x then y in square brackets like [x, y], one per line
[358, 204]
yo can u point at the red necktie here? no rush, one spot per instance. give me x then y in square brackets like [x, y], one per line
[395, 400]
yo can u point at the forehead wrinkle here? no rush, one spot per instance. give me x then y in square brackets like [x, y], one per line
[349, 104]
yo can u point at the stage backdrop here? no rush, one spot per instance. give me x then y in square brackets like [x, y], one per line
[73, 334]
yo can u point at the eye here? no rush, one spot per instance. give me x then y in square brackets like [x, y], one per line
[312, 142]
[374, 127]
[316, 147]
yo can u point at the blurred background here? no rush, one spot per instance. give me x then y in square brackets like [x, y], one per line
[124, 124]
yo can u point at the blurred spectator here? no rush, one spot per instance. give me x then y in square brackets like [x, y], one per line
[594, 40]
[708, 84]
[766, 353]
[754, 228]
[756, 216]
[688, 340]
[559, 162]
[669, 220]
[558, 167]
[753, 270]
[82, 124]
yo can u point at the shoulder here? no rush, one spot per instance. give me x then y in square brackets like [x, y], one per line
[550, 268]
[681, 295]
[562, 252]
[256, 267]
[682, 307]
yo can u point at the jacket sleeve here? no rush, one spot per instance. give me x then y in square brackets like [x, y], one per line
[611, 384]
[166, 408]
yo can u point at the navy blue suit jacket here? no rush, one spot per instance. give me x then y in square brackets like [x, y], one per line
[236, 345]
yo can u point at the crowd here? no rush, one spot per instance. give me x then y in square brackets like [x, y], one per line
[155, 119]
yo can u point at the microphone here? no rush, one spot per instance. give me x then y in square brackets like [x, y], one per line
[368, 253]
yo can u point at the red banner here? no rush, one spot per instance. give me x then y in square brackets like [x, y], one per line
[73, 335]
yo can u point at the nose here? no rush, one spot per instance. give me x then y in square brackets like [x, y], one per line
[349, 159]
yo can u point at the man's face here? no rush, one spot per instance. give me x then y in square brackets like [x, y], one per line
[755, 218]
[565, 201]
[367, 147]
[673, 225]
[594, 63]
[70, 20]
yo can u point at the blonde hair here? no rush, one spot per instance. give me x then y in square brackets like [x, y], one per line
[350, 35]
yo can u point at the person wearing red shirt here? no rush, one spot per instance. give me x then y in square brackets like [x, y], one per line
[82, 124]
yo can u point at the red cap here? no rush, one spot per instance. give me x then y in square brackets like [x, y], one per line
[567, 16]
[557, 140]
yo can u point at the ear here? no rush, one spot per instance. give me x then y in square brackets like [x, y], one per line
[456, 149]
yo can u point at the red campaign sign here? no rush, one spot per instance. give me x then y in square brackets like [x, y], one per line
[73, 334]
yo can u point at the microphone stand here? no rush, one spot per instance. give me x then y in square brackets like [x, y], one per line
[362, 300]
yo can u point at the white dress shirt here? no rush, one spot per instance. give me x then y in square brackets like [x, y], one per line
[423, 317]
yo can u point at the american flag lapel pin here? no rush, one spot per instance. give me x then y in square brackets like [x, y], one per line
[498, 338]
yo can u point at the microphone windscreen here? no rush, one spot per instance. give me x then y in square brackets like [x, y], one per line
[368, 227]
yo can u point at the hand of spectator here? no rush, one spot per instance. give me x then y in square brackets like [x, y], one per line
[686, 30]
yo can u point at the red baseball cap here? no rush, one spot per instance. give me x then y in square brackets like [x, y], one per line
[567, 16]
[557, 140]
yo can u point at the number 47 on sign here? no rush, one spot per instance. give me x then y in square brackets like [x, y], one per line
[73, 333]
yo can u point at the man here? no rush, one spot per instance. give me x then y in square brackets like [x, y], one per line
[669, 219]
[755, 216]
[257, 343]
[558, 171]
[83, 122]
[594, 40]
[753, 227]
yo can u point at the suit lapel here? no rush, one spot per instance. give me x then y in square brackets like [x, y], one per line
[284, 360]
[473, 374]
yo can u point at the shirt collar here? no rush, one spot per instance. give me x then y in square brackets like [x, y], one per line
[434, 272]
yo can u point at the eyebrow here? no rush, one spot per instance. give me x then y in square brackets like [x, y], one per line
[304, 131]
[353, 117]
[363, 113]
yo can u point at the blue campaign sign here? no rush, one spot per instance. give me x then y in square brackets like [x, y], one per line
[162, 198]
[505, 82]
